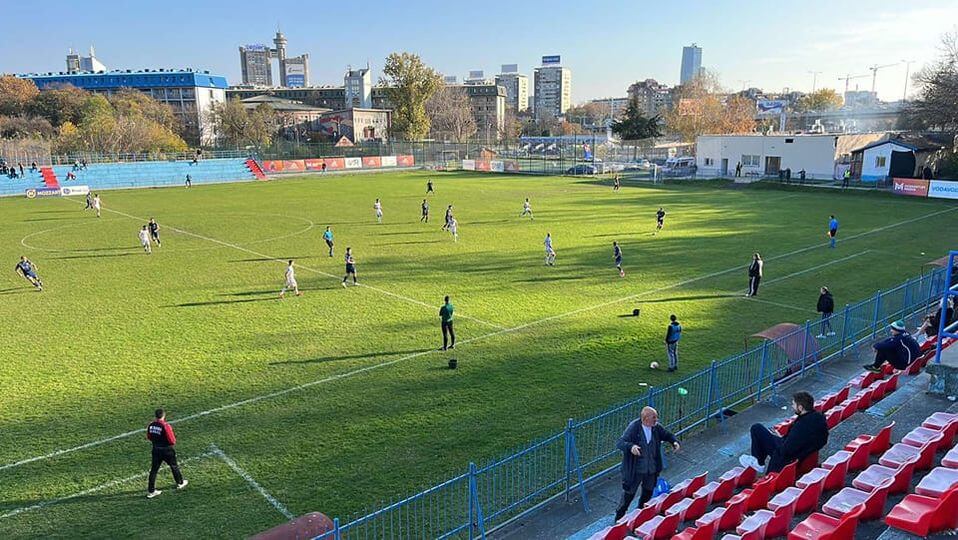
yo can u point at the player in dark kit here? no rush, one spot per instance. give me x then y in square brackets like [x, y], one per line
[425, 212]
[28, 270]
[429, 187]
[350, 267]
[160, 433]
[448, 218]
[659, 220]
[154, 231]
[617, 255]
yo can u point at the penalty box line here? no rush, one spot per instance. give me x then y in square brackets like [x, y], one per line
[214, 451]
[372, 367]
[307, 268]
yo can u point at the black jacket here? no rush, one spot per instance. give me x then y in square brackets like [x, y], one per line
[633, 467]
[826, 304]
[808, 434]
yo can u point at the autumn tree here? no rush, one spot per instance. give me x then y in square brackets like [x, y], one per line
[823, 99]
[409, 85]
[450, 114]
[703, 107]
[16, 95]
[59, 105]
[236, 126]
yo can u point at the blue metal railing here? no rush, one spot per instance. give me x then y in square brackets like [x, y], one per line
[484, 498]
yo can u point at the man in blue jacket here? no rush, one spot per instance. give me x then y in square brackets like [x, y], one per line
[642, 457]
[899, 350]
[672, 336]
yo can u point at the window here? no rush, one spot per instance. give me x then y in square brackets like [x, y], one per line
[750, 160]
[789, 141]
[880, 162]
[709, 161]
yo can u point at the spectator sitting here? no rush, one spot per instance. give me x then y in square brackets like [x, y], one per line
[33, 167]
[76, 165]
[71, 176]
[899, 350]
[808, 434]
[933, 320]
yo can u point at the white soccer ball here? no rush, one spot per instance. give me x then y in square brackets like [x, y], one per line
[654, 365]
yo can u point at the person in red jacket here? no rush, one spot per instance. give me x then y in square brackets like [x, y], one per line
[160, 433]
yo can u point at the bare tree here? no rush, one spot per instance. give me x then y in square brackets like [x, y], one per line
[936, 106]
[450, 113]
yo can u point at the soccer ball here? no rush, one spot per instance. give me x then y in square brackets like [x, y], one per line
[654, 365]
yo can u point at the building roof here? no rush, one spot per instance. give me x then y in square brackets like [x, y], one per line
[128, 78]
[280, 104]
[916, 142]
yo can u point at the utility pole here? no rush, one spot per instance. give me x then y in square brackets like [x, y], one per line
[904, 94]
[814, 79]
[875, 69]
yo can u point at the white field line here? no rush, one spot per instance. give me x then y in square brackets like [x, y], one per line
[101, 487]
[280, 507]
[818, 267]
[771, 303]
[372, 367]
[307, 268]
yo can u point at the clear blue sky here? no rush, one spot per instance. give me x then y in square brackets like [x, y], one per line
[608, 44]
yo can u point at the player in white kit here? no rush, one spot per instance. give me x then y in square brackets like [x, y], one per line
[527, 209]
[290, 281]
[454, 229]
[378, 207]
[145, 240]
[96, 204]
[550, 253]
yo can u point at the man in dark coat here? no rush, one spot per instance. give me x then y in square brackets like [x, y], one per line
[808, 434]
[899, 350]
[642, 457]
[826, 306]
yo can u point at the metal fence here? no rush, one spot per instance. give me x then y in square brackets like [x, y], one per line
[486, 497]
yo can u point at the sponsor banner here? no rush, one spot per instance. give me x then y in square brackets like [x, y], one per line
[942, 189]
[512, 166]
[912, 187]
[372, 162]
[405, 161]
[36, 193]
[335, 163]
[273, 165]
[388, 161]
[770, 106]
[497, 166]
[482, 165]
[313, 164]
[551, 60]
[354, 163]
[468, 164]
[66, 191]
[294, 165]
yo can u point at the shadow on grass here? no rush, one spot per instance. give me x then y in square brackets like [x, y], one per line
[544, 279]
[690, 298]
[16, 290]
[351, 357]
[99, 256]
[50, 219]
[410, 243]
[273, 259]
[222, 302]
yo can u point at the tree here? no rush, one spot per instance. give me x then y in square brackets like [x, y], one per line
[823, 99]
[238, 127]
[703, 107]
[13, 127]
[138, 125]
[591, 113]
[450, 114]
[130, 102]
[16, 94]
[936, 105]
[409, 85]
[59, 105]
[512, 126]
[634, 125]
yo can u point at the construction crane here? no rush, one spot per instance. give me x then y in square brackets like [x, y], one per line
[875, 72]
[849, 77]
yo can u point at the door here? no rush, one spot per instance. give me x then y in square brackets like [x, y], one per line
[772, 165]
[724, 166]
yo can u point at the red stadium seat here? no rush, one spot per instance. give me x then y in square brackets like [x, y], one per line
[864, 379]
[951, 459]
[808, 463]
[842, 394]
[802, 499]
[688, 486]
[922, 436]
[838, 459]
[865, 397]
[769, 524]
[877, 475]
[717, 492]
[656, 502]
[726, 517]
[706, 532]
[822, 527]
[688, 508]
[782, 427]
[878, 390]
[860, 450]
[946, 423]
[743, 476]
[833, 478]
[879, 443]
[834, 416]
[900, 453]
[751, 536]
[639, 516]
[619, 531]
[786, 477]
[922, 515]
[658, 527]
[937, 482]
[671, 499]
[848, 498]
[893, 382]
[850, 406]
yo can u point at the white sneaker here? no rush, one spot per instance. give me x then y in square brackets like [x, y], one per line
[830, 334]
[820, 336]
[748, 460]
[153, 493]
[183, 485]
[344, 284]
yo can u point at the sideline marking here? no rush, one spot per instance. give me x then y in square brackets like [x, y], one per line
[372, 367]
[280, 507]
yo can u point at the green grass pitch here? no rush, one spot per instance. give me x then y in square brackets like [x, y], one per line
[338, 399]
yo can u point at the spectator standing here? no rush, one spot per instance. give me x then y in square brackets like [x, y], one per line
[642, 457]
[160, 433]
[189, 181]
[738, 169]
[755, 271]
[445, 316]
[672, 336]
[807, 435]
[846, 177]
[899, 350]
[826, 306]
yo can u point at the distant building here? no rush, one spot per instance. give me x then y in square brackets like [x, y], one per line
[902, 155]
[613, 106]
[297, 71]
[691, 63]
[290, 112]
[653, 97]
[488, 103]
[516, 86]
[190, 94]
[356, 124]
[77, 63]
[255, 65]
[359, 86]
[553, 88]
[860, 99]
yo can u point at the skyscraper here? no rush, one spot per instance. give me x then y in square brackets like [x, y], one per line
[553, 88]
[516, 85]
[280, 53]
[255, 65]
[691, 63]
[297, 71]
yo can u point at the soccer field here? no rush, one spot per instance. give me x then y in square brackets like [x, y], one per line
[339, 399]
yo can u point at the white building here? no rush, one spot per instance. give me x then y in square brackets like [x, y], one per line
[900, 156]
[766, 155]
[516, 85]
[77, 63]
[553, 88]
[359, 87]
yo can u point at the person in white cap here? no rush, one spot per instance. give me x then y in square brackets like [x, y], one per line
[899, 350]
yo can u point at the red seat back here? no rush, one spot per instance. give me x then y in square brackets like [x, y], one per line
[808, 463]
[786, 477]
[882, 441]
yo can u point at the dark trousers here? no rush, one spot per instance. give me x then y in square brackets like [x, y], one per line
[883, 356]
[163, 455]
[646, 484]
[330, 244]
[764, 443]
[448, 334]
[826, 323]
[844, 182]
[753, 282]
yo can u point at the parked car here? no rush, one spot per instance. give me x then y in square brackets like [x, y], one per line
[681, 166]
[639, 165]
[582, 169]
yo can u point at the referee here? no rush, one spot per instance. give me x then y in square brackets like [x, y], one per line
[160, 433]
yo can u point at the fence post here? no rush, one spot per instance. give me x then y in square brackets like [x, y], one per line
[572, 454]
[761, 370]
[844, 330]
[905, 307]
[568, 458]
[711, 395]
[336, 534]
[476, 522]
[804, 348]
[877, 311]
[652, 396]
